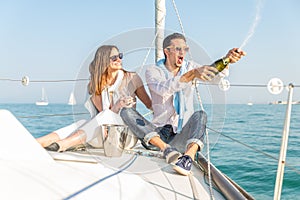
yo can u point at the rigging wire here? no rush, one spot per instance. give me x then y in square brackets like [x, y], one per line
[66, 80]
[207, 146]
[254, 149]
[152, 45]
[178, 17]
[200, 102]
[144, 61]
[53, 115]
[45, 81]
[242, 85]
[233, 85]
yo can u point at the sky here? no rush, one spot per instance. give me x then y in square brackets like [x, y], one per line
[54, 40]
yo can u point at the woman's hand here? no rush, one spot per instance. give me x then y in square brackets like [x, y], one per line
[127, 102]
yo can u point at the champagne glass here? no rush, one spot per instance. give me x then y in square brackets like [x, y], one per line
[126, 98]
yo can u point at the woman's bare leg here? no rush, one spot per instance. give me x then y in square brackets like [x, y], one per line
[78, 137]
[48, 139]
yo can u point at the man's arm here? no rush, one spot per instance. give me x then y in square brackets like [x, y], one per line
[204, 73]
[157, 82]
[207, 72]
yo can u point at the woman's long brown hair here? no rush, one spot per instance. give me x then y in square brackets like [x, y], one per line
[98, 69]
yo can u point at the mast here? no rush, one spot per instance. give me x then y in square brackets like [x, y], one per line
[160, 13]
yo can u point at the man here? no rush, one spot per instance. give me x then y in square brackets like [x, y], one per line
[175, 124]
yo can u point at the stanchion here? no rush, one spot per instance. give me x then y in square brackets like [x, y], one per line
[284, 143]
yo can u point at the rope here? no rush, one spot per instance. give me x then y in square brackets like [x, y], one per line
[201, 105]
[102, 179]
[207, 145]
[178, 17]
[180, 22]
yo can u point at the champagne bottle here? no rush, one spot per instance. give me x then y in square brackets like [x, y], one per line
[221, 64]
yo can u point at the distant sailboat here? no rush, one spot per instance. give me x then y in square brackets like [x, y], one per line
[250, 103]
[44, 99]
[72, 100]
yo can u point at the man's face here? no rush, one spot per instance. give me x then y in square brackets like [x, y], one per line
[176, 52]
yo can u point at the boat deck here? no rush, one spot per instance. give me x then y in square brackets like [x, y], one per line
[149, 167]
[28, 171]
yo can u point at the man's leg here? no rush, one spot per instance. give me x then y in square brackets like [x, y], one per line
[141, 127]
[193, 134]
[148, 133]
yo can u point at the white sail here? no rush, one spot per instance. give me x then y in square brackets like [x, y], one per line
[72, 100]
[44, 99]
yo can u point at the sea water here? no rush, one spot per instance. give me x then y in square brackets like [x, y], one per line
[246, 150]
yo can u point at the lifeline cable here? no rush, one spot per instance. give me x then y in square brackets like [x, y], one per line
[44, 81]
[198, 83]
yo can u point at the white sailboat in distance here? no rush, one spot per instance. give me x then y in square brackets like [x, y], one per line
[44, 99]
[72, 100]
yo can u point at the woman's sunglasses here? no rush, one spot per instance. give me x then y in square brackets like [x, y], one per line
[115, 57]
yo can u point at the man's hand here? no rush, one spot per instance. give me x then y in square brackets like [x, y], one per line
[204, 73]
[235, 55]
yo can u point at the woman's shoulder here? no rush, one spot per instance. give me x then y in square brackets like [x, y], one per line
[132, 75]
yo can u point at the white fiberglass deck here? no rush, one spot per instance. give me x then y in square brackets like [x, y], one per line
[28, 171]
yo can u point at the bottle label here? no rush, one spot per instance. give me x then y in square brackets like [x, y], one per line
[225, 61]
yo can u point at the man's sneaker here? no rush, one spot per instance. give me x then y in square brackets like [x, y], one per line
[171, 155]
[184, 165]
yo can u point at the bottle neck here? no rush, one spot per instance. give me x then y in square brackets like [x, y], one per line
[221, 64]
[225, 61]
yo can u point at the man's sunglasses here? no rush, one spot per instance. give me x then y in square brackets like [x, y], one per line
[179, 49]
[115, 57]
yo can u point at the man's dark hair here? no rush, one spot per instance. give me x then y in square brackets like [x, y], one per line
[167, 40]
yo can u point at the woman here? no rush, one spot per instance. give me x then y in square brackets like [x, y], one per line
[111, 88]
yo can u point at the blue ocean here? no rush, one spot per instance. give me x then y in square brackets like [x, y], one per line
[245, 143]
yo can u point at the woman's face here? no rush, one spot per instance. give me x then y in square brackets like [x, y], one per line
[115, 59]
